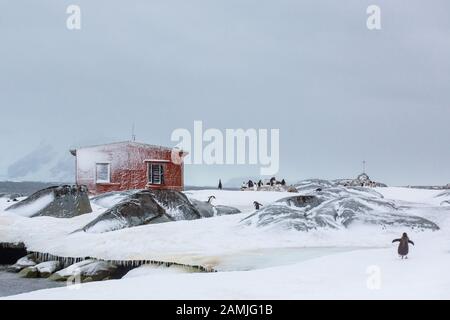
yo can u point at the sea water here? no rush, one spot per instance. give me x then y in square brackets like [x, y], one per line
[11, 283]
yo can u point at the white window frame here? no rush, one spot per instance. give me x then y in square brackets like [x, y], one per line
[108, 164]
[150, 173]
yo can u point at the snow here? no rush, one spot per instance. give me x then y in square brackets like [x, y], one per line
[413, 195]
[253, 262]
[25, 262]
[110, 199]
[146, 270]
[48, 267]
[338, 276]
[30, 209]
[75, 268]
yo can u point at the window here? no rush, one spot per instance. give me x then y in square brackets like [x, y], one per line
[155, 173]
[103, 172]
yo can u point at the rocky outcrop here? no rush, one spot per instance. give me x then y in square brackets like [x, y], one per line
[110, 199]
[144, 207]
[140, 207]
[22, 263]
[29, 272]
[176, 205]
[362, 180]
[208, 210]
[336, 207]
[58, 201]
[444, 198]
[86, 271]
[225, 210]
[45, 269]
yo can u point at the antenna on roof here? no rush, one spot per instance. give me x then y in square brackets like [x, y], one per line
[133, 136]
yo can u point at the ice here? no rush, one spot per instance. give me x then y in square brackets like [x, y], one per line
[146, 270]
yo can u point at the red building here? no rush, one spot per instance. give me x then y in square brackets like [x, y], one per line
[127, 165]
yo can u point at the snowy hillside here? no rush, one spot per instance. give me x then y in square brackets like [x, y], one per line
[44, 163]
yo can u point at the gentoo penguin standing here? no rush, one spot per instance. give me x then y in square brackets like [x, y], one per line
[257, 205]
[403, 247]
[210, 198]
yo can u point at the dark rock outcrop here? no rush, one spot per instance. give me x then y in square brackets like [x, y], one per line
[444, 198]
[336, 207]
[208, 210]
[144, 207]
[22, 263]
[58, 201]
[176, 204]
[29, 272]
[86, 271]
[110, 199]
[140, 207]
[47, 268]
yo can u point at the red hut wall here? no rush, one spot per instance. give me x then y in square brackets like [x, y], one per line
[128, 167]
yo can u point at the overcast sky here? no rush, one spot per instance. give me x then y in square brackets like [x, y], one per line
[338, 92]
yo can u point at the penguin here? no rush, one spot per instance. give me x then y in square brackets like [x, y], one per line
[257, 205]
[403, 247]
[210, 198]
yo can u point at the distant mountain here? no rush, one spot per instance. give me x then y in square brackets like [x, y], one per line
[44, 163]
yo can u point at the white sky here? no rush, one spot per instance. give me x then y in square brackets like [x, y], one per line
[338, 92]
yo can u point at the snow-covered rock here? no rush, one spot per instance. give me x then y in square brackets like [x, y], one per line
[137, 209]
[335, 207]
[144, 207]
[110, 199]
[29, 272]
[27, 267]
[140, 207]
[86, 271]
[208, 210]
[176, 204]
[444, 198]
[310, 185]
[24, 262]
[45, 269]
[58, 201]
